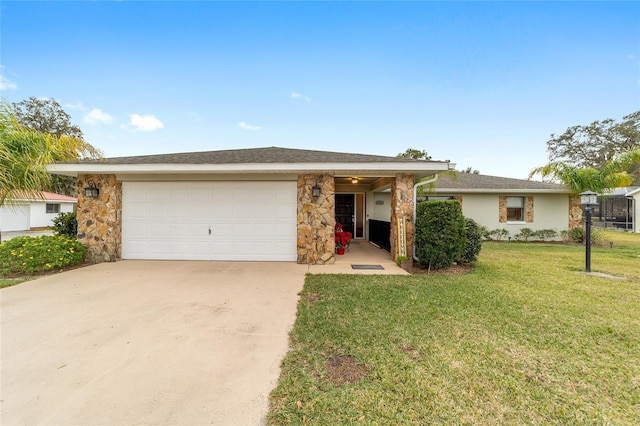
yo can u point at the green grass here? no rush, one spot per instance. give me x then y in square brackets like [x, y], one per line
[526, 338]
[7, 282]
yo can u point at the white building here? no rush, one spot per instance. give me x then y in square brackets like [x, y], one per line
[34, 213]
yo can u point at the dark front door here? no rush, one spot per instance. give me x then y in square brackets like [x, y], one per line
[345, 210]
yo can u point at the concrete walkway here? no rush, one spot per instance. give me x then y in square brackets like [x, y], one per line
[7, 235]
[147, 342]
[361, 252]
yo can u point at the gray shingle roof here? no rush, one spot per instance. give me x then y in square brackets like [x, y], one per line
[254, 156]
[470, 181]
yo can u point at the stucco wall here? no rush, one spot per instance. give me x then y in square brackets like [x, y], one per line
[380, 211]
[636, 212]
[551, 211]
[39, 216]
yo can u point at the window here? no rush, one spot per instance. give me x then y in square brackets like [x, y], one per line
[53, 208]
[515, 209]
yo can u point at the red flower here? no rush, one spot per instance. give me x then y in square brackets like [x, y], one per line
[343, 238]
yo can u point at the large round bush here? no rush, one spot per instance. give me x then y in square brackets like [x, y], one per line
[440, 233]
[28, 255]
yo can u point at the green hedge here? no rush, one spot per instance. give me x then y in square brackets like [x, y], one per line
[474, 233]
[28, 255]
[66, 224]
[440, 233]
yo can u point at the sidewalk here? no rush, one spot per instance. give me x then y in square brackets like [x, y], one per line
[5, 236]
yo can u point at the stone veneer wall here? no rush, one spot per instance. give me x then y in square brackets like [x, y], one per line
[575, 212]
[316, 220]
[99, 219]
[402, 207]
[502, 209]
[528, 209]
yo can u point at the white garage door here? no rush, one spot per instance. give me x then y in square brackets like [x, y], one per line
[14, 218]
[209, 220]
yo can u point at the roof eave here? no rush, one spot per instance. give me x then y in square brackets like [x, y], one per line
[379, 169]
[502, 191]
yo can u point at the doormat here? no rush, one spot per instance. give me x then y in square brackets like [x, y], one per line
[366, 267]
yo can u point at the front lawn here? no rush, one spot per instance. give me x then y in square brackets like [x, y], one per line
[8, 282]
[526, 338]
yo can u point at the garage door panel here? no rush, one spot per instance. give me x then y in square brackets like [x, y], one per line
[171, 220]
[15, 217]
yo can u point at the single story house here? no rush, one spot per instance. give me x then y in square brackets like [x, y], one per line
[615, 209]
[505, 203]
[34, 212]
[268, 204]
[634, 196]
[511, 204]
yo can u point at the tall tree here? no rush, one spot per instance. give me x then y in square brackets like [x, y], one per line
[415, 154]
[612, 174]
[593, 145]
[25, 153]
[47, 116]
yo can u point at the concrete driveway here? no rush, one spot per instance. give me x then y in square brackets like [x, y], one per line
[147, 342]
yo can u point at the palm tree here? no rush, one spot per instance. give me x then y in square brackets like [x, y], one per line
[25, 153]
[611, 175]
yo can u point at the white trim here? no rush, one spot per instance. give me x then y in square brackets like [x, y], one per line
[377, 169]
[500, 191]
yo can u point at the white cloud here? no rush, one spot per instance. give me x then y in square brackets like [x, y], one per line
[296, 95]
[78, 105]
[146, 123]
[246, 126]
[6, 84]
[97, 116]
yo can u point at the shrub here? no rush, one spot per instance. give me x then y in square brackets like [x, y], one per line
[597, 236]
[474, 233]
[66, 224]
[525, 234]
[577, 235]
[498, 234]
[546, 234]
[484, 232]
[440, 233]
[28, 255]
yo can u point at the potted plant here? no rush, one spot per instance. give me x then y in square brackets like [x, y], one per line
[343, 239]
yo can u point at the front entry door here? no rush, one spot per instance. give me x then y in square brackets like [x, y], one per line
[350, 213]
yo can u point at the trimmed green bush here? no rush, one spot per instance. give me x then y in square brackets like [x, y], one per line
[546, 234]
[577, 235]
[66, 224]
[28, 255]
[498, 234]
[474, 233]
[440, 233]
[525, 234]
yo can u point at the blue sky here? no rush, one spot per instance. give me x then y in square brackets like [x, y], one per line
[483, 84]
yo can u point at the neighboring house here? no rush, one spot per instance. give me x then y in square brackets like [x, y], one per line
[272, 204]
[634, 196]
[511, 204]
[34, 212]
[615, 209]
